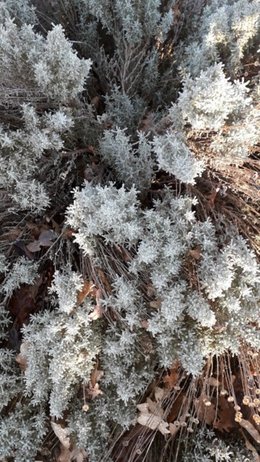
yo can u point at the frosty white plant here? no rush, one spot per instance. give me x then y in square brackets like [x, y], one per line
[11, 382]
[106, 212]
[21, 152]
[22, 10]
[207, 101]
[32, 65]
[59, 73]
[23, 271]
[234, 146]
[61, 350]
[133, 163]
[225, 31]
[174, 156]
[22, 433]
[66, 285]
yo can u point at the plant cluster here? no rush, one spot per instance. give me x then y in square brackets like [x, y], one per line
[129, 276]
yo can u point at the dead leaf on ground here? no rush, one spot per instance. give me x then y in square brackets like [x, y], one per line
[156, 304]
[154, 422]
[174, 429]
[45, 239]
[75, 455]
[252, 449]
[95, 391]
[159, 394]
[171, 379]
[87, 289]
[249, 427]
[21, 358]
[96, 376]
[195, 253]
[62, 434]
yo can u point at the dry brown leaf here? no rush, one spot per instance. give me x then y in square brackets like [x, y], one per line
[21, 358]
[172, 378]
[249, 427]
[195, 253]
[62, 434]
[98, 310]
[252, 449]
[87, 289]
[150, 290]
[177, 405]
[149, 420]
[76, 455]
[104, 280]
[164, 428]
[156, 304]
[96, 376]
[143, 408]
[145, 323]
[34, 246]
[23, 302]
[153, 422]
[95, 391]
[45, 239]
[96, 313]
[174, 429]
[159, 394]
[65, 455]
[155, 408]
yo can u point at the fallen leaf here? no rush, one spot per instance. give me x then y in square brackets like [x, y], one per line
[22, 249]
[171, 379]
[87, 289]
[150, 290]
[144, 323]
[177, 406]
[96, 313]
[153, 422]
[155, 408]
[95, 391]
[250, 429]
[159, 394]
[174, 429]
[65, 455]
[76, 455]
[143, 408]
[195, 253]
[62, 434]
[45, 239]
[23, 303]
[156, 304]
[34, 246]
[21, 358]
[95, 377]
[104, 280]
[252, 449]
[164, 428]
